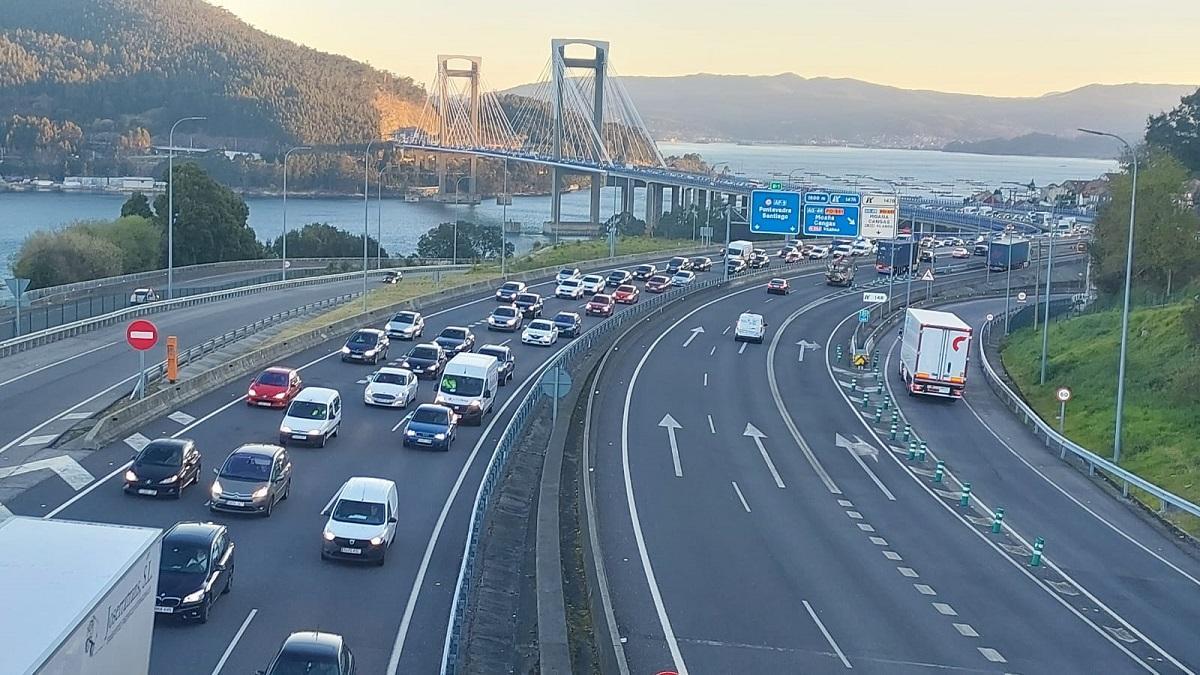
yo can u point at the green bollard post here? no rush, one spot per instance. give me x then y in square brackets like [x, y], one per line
[1036, 559]
[892, 431]
[997, 520]
[878, 413]
[907, 432]
[939, 472]
[887, 402]
[965, 499]
[922, 451]
[912, 450]
[866, 400]
[839, 353]
[854, 384]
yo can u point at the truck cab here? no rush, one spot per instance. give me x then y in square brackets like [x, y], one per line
[840, 272]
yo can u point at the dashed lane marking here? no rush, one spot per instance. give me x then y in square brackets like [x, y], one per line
[879, 541]
[965, 630]
[945, 609]
[865, 527]
[845, 503]
[908, 572]
[137, 442]
[710, 425]
[181, 417]
[892, 555]
[77, 416]
[992, 655]
[854, 514]
[741, 498]
[743, 347]
[924, 589]
[38, 440]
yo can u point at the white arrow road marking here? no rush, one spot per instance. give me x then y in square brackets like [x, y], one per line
[805, 345]
[753, 432]
[66, 467]
[695, 331]
[671, 425]
[857, 448]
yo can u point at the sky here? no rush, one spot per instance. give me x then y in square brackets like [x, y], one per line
[1011, 48]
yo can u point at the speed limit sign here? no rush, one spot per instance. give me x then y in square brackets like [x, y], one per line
[1063, 394]
[990, 317]
[1021, 296]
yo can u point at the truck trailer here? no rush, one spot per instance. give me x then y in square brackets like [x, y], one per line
[934, 353]
[78, 598]
[1008, 252]
[905, 259]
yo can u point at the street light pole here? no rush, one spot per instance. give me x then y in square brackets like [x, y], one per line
[366, 216]
[728, 223]
[503, 219]
[285, 227]
[1128, 279]
[171, 206]
[1046, 318]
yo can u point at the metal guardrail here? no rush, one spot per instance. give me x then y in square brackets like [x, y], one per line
[578, 348]
[16, 345]
[1065, 445]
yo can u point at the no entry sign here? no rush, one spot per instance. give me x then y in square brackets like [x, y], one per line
[141, 335]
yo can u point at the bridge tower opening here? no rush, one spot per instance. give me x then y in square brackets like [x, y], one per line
[468, 68]
[597, 63]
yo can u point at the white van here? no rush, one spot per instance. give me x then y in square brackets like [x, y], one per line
[314, 416]
[750, 328]
[469, 384]
[740, 249]
[362, 520]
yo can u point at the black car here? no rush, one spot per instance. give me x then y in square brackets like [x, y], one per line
[570, 324]
[506, 359]
[392, 277]
[677, 264]
[644, 272]
[530, 305]
[366, 345]
[616, 278]
[253, 479]
[980, 249]
[426, 360]
[927, 255]
[455, 340]
[164, 467]
[196, 566]
[759, 260]
[312, 653]
[701, 264]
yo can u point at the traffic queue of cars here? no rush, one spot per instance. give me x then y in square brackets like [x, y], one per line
[361, 517]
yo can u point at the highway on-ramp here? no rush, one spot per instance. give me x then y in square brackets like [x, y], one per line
[741, 534]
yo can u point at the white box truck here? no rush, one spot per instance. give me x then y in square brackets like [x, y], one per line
[934, 353]
[76, 598]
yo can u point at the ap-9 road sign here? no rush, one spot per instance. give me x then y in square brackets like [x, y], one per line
[831, 214]
[774, 212]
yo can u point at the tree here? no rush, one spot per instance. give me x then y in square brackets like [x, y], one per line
[1178, 131]
[54, 258]
[138, 239]
[1166, 252]
[474, 242]
[210, 220]
[322, 240]
[627, 225]
[137, 205]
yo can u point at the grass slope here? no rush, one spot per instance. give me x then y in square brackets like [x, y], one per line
[1162, 419]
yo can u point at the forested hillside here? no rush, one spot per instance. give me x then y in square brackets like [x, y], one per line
[115, 65]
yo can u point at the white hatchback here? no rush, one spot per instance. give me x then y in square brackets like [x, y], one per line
[540, 332]
[593, 284]
[391, 387]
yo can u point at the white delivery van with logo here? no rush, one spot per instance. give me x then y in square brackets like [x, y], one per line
[469, 385]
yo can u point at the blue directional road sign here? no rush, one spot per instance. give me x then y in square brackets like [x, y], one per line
[831, 214]
[864, 315]
[774, 212]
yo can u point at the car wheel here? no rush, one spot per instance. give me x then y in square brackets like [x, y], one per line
[228, 582]
[287, 491]
[270, 507]
[204, 611]
[382, 558]
[324, 440]
[179, 492]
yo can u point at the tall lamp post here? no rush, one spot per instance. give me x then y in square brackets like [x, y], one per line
[503, 220]
[1128, 279]
[456, 184]
[285, 227]
[171, 205]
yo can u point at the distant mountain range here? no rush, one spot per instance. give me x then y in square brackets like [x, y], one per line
[788, 108]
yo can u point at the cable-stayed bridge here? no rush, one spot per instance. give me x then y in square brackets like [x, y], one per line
[578, 120]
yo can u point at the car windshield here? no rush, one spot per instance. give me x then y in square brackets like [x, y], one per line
[527, 299]
[505, 312]
[500, 354]
[601, 299]
[616, 275]
[309, 410]
[366, 513]
[305, 664]
[273, 379]
[541, 325]
[461, 385]
[777, 282]
[678, 261]
[659, 279]
[570, 282]
[391, 378]
[593, 278]
[161, 454]
[430, 416]
[183, 558]
[511, 286]
[645, 268]
[246, 466]
[425, 353]
[405, 317]
[455, 333]
[626, 289]
[563, 317]
[362, 339]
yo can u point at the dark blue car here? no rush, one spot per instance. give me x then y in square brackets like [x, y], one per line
[432, 426]
[569, 324]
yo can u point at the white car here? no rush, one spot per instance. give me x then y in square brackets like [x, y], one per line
[592, 284]
[569, 288]
[405, 326]
[862, 248]
[750, 328]
[567, 273]
[843, 250]
[391, 387]
[363, 515]
[141, 296]
[818, 252]
[540, 332]
[683, 278]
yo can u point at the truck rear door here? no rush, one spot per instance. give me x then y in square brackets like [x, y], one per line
[942, 355]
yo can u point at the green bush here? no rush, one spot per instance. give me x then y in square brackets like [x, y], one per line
[54, 258]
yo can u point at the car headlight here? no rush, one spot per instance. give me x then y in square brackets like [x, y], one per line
[345, 350]
[327, 535]
[131, 476]
[260, 492]
[216, 488]
[439, 399]
[473, 404]
[169, 480]
[409, 432]
[404, 363]
[376, 541]
[370, 352]
[252, 392]
[440, 437]
[194, 597]
[285, 429]
[281, 394]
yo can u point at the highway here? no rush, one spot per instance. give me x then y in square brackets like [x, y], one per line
[393, 615]
[738, 535]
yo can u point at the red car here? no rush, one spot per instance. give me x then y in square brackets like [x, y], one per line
[658, 283]
[778, 287]
[274, 387]
[600, 305]
[626, 294]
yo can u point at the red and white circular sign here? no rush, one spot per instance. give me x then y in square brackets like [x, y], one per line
[141, 335]
[1063, 394]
